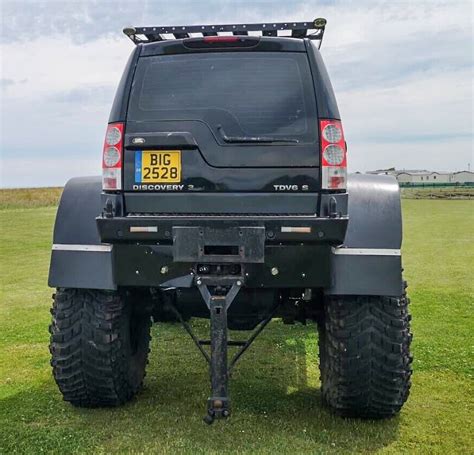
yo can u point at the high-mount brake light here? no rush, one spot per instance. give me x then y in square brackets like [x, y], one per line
[333, 155]
[221, 39]
[218, 41]
[112, 157]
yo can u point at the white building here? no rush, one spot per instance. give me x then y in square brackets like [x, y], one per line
[423, 177]
[417, 177]
[462, 177]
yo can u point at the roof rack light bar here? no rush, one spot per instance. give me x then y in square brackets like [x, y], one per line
[313, 30]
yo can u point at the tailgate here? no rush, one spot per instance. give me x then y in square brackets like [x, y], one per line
[223, 123]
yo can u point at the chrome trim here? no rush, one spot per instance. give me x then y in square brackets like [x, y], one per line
[367, 251]
[104, 248]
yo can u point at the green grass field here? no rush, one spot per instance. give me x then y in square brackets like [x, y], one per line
[275, 388]
[438, 192]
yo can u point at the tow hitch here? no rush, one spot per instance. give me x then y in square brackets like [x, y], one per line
[219, 278]
[218, 293]
[218, 303]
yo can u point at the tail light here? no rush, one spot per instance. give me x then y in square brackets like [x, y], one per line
[333, 155]
[112, 157]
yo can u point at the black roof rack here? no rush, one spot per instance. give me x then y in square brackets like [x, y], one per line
[310, 29]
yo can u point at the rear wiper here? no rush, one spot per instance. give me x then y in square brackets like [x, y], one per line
[254, 139]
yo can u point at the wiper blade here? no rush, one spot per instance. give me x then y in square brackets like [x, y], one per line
[254, 139]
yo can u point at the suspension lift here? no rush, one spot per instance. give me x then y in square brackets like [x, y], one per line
[218, 293]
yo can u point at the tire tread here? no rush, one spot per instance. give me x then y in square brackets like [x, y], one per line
[365, 360]
[88, 352]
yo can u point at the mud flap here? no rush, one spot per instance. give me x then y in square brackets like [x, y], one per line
[78, 258]
[369, 261]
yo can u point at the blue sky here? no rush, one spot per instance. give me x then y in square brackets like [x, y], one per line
[402, 72]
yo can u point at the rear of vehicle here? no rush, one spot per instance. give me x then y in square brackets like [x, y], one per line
[224, 195]
[228, 133]
[219, 118]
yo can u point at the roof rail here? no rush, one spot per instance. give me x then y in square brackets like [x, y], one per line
[313, 30]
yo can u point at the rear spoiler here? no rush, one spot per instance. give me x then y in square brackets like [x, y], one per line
[313, 30]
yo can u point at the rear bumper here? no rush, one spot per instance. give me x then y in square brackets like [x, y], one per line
[278, 229]
[292, 251]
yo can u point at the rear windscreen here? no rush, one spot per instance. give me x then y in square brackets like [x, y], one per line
[243, 94]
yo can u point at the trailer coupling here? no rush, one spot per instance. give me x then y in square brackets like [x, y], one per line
[218, 293]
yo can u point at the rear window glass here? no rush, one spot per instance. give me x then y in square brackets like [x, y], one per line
[246, 94]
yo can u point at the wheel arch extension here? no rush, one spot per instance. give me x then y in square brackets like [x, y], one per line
[369, 261]
[78, 258]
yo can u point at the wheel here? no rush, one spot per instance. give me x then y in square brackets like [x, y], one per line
[99, 346]
[365, 360]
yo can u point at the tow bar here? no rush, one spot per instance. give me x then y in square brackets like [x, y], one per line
[218, 293]
[219, 255]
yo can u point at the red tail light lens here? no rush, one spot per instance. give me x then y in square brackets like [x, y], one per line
[333, 155]
[112, 157]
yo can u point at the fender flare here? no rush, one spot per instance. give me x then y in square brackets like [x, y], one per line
[79, 259]
[369, 261]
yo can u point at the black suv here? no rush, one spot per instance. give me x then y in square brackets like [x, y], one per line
[224, 194]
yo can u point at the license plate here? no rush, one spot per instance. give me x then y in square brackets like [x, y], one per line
[158, 166]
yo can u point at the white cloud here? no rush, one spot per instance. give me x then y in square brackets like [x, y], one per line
[49, 65]
[415, 108]
[438, 155]
[60, 109]
[38, 171]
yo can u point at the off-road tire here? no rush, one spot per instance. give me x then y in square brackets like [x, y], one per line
[99, 346]
[365, 360]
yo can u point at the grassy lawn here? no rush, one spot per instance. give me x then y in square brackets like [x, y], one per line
[20, 198]
[438, 192]
[275, 388]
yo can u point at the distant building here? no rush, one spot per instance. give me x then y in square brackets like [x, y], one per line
[462, 177]
[417, 176]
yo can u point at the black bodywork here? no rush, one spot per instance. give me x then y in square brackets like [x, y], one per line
[209, 164]
[247, 234]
